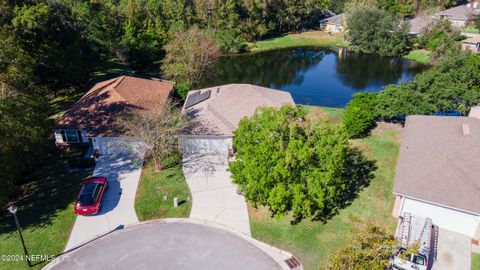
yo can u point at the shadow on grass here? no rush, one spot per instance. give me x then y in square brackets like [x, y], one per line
[358, 174]
[53, 187]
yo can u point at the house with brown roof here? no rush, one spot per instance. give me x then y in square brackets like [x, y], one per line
[216, 111]
[438, 172]
[97, 113]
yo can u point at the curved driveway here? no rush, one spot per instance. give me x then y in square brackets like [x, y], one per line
[176, 245]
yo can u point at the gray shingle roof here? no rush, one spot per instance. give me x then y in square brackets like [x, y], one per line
[438, 163]
[463, 13]
[335, 20]
[220, 114]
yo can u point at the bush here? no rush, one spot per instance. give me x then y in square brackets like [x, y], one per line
[229, 41]
[290, 165]
[360, 114]
[440, 38]
[397, 100]
[370, 248]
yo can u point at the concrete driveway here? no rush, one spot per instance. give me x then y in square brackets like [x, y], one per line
[123, 173]
[215, 198]
[454, 251]
[177, 244]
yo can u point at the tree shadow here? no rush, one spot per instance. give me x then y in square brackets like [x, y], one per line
[358, 173]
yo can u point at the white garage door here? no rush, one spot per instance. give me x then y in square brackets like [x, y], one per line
[205, 144]
[445, 218]
[116, 145]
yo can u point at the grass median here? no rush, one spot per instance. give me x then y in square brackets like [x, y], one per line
[153, 186]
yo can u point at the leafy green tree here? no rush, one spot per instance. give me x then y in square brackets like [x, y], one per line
[190, 56]
[370, 248]
[360, 114]
[400, 100]
[372, 30]
[290, 165]
[440, 38]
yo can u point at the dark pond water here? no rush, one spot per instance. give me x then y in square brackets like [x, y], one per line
[315, 76]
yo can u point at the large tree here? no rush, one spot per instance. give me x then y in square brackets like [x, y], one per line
[372, 30]
[190, 56]
[159, 131]
[288, 164]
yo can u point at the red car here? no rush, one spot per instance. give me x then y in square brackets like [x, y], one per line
[89, 200]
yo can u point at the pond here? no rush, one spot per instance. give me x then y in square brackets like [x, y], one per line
[315, 76]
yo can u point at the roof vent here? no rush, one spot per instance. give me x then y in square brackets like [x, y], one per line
[466, 130]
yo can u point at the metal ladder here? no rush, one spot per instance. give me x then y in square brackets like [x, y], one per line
[425, 238]
[406, 228]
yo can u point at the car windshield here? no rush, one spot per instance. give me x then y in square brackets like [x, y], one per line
[418, 259]
[87, 194]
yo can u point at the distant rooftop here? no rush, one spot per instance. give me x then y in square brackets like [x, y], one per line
[472, 40]
[335, 20]
[218, 110]
[439, 161]
[462, 13]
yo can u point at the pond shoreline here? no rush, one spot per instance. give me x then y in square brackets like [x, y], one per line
[316, 38]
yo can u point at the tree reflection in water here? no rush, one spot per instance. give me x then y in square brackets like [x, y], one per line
[316, 76]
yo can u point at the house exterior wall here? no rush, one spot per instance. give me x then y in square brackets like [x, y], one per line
[61, 139]
[471, 47]
[333, 28]
[446, 218]
[205, 144]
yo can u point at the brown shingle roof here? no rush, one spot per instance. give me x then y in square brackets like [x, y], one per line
[220, 114]
[98, 110]
[439, 162]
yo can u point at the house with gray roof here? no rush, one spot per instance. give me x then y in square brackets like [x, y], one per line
[459, 15]
[215, 112]
[438, 172]
[333, 24]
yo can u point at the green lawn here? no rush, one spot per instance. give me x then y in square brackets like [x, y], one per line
[149, 203]
[46, 211]
[311, 38]
[314, 242]
[471, 29]
[422, 56]
[475, 261]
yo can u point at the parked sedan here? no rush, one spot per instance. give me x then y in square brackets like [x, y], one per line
[89, 200]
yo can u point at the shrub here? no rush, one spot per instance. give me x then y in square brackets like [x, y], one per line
[360, 114]
[399, 100]
[290, 165]
[440, 38]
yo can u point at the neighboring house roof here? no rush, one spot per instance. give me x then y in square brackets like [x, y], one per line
[461, 13]
[439, 161]
[335, 20]
[220, 113]
[417, 24]
[98, 110]
[473, 40]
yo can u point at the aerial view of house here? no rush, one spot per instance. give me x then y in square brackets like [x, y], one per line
[232, 135]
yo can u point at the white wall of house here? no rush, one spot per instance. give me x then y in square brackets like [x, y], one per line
[446, 218]
[116, 145]
[205, 144]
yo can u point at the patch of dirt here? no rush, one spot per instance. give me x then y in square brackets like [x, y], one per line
[382, 126]
[316, 114]
[259, 213]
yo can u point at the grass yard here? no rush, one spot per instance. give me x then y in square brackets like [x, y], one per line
[149, 203]
[311, 38]
[422, 56]
[46, 212]
[475, 261]
[314, 242]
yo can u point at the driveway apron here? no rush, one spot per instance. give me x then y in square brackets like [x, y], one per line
[123, 171]
[215, 197]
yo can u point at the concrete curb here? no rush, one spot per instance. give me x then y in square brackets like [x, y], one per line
[278, 255]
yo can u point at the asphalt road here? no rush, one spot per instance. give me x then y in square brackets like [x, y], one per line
[176, 245]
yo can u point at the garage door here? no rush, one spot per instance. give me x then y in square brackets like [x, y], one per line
[205, 145]
[445, 218]
[116, 145]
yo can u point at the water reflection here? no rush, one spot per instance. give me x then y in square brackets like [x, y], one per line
[316, 76]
